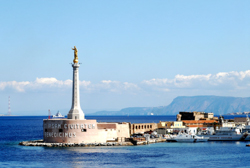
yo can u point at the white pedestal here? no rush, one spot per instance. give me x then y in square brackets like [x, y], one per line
[76, 111]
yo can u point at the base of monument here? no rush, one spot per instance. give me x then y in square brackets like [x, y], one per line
[75, 116]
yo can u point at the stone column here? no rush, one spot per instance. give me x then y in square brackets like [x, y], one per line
[76, 111]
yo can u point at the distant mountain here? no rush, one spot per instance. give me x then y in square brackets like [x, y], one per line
[130, 111]
[215, 104]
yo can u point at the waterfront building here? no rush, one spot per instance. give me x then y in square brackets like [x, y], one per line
[142, 127]
[200, 123]
[227, 123]
[195, 116]
[164, 127]
[165, 124]
[240, 120]
[163, 131]
[76, 129]
[177, 124]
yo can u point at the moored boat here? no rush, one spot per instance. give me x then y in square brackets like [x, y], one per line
[183, 137]
[58, 115]
[228, 134]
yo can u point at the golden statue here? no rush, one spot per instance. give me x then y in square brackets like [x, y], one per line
[75, 54]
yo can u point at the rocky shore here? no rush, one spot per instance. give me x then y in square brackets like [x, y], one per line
[129, 143]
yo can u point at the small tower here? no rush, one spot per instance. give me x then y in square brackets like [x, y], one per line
[75, 111]
[9, 110]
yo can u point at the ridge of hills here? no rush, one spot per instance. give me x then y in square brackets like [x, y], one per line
[215, 104]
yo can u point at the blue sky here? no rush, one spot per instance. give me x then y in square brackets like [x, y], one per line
[133, 53]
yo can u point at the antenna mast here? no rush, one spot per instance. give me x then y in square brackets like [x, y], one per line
[49, 114]
[9, 110]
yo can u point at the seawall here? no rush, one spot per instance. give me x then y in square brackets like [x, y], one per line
[130, 143]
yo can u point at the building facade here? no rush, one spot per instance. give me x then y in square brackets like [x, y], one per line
[240, 120]
[194, 116]
[142, 127]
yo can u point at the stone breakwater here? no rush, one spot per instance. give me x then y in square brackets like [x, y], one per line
[42, 143]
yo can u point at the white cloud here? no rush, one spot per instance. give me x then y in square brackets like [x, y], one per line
[222, 80]
[46, 80]
[51, 82]
[45, 84]
[19, 86]
[115, 86]
[38, 84]
[229, 81]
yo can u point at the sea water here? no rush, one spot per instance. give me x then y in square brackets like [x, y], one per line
[205, 154]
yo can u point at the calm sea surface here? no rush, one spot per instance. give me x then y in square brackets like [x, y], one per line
[209, 154]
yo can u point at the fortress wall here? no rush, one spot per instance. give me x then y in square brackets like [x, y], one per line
[123, 130]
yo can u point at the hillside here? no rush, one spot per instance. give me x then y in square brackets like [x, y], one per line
[215, 104]
[131, 111]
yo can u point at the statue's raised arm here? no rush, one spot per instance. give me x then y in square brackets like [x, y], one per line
[75, 55]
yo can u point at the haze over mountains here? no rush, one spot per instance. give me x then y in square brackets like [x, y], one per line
[215, 104]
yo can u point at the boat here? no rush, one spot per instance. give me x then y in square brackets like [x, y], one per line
[58, 115]
[246, 129]
[184, 137]
[228, 134]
